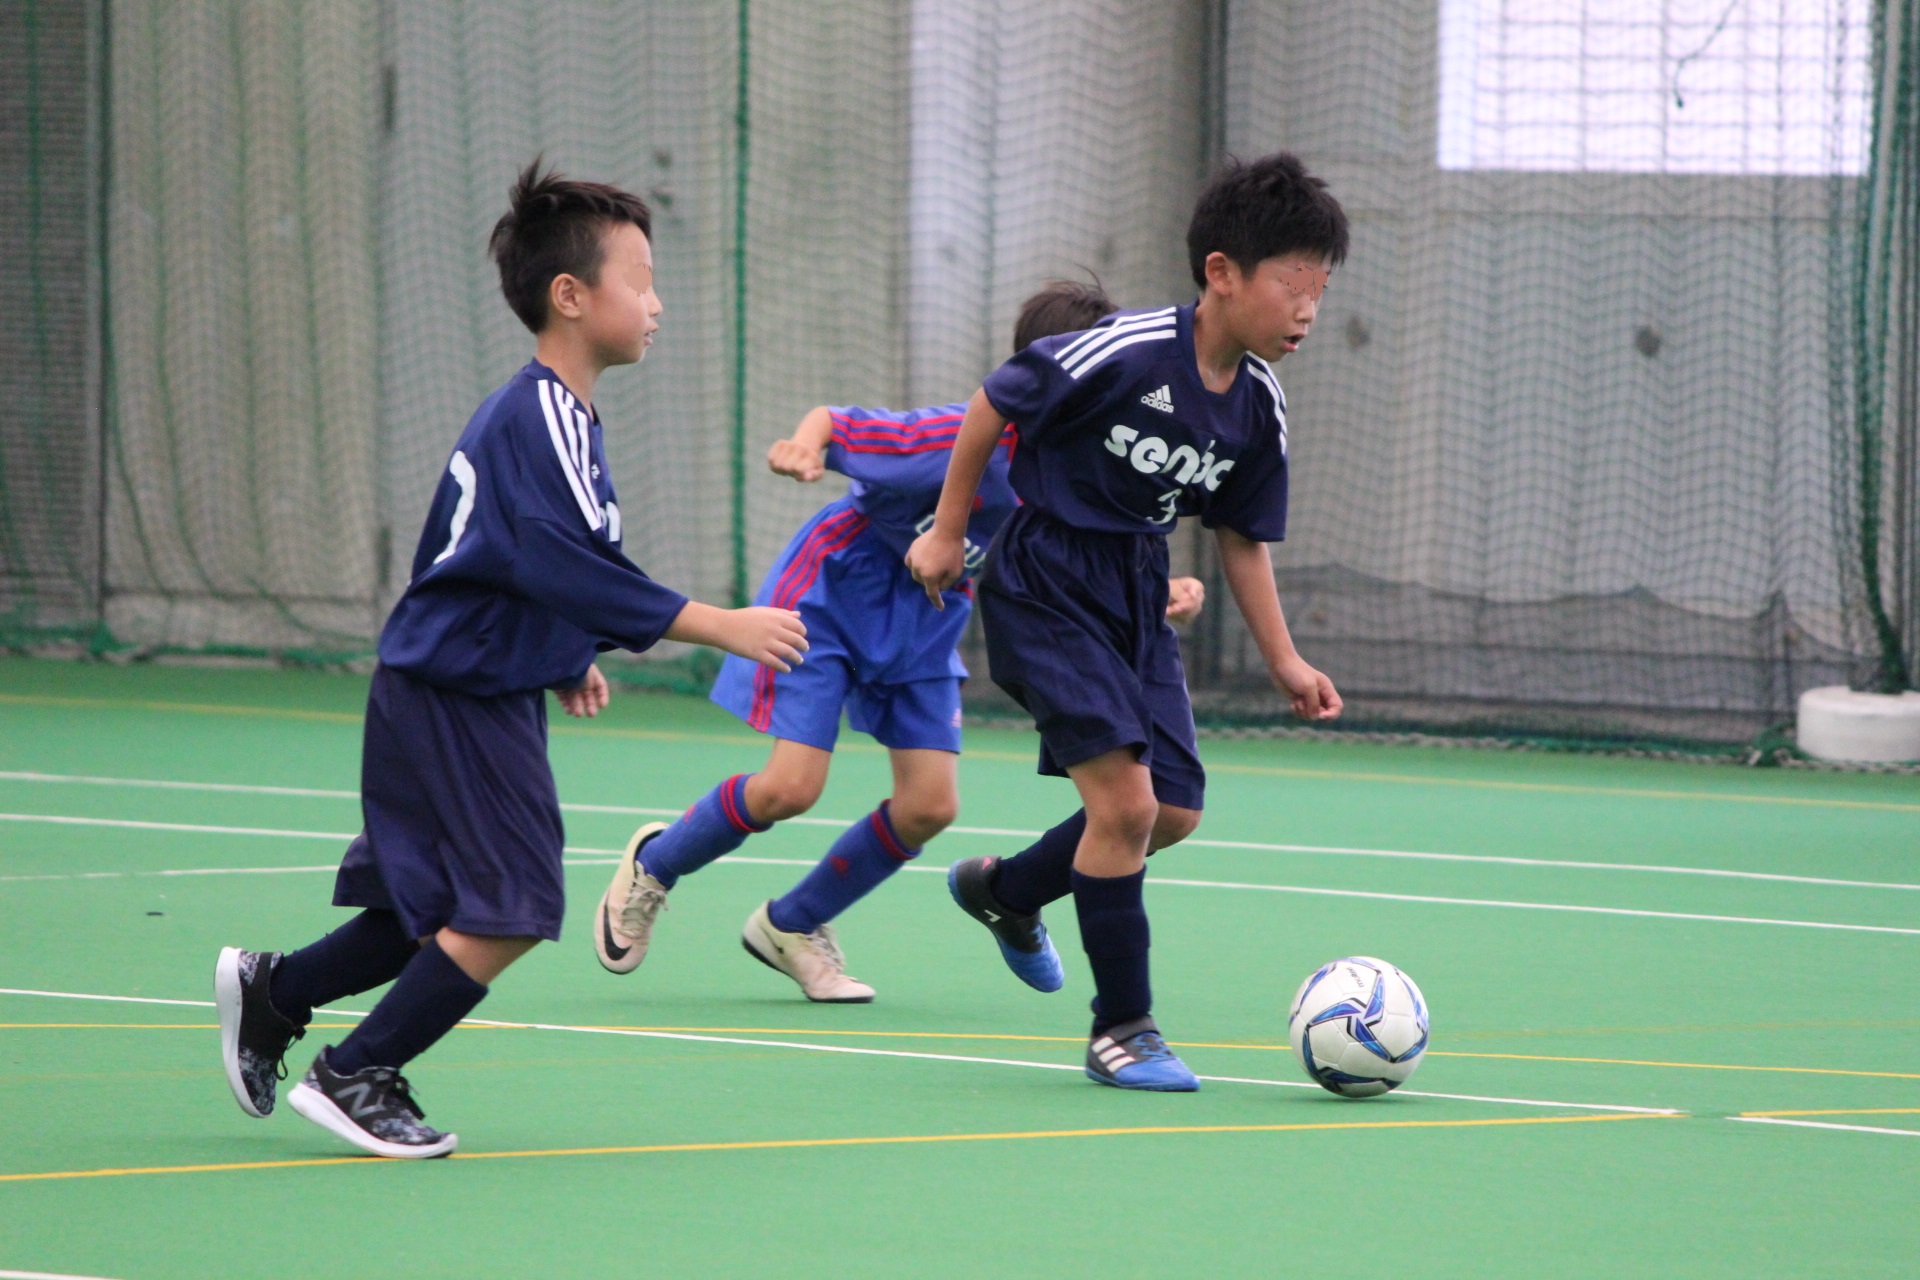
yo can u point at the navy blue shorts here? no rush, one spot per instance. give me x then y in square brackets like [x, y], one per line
[462, 821]
[1076, 628]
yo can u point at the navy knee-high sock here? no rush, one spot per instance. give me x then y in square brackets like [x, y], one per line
[366, 951]
[1043, 871]
[430, 997]
[1113, 929]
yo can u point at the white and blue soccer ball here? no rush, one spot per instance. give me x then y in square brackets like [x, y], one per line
[1358, 1027]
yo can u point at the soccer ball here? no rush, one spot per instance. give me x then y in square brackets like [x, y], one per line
[1358, 1026]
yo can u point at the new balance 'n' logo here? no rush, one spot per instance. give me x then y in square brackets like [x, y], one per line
[1161, 399]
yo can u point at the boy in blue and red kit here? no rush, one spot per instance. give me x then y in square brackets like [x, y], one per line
[519, 580]
[878, 650]
[1147, 417]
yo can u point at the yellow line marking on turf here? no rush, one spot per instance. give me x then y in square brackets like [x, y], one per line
[783, 1143]
[1264, 771]
[1857, 1111]
[155, 1026]
[188, 708]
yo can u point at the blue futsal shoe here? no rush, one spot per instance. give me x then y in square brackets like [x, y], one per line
[1023, 940]
[1133, 1056]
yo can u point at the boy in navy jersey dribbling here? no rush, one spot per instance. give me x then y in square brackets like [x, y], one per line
[519, 580]
[879, 652]
[1147, 417]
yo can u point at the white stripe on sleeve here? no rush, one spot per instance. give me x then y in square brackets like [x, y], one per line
[568, 465]
[1092, 337]
[1098, 355]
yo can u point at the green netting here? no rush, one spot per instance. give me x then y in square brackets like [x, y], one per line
[1607, 432]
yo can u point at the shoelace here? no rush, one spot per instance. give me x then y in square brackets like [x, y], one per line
[1152, 1047]
[825, 944]
[400, 1091]
[635, 914]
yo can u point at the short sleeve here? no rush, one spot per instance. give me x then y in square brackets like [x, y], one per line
[1032, 388]
[1252, 499]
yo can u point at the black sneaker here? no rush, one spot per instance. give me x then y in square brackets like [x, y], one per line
[253, 1034]
[1023, 940]
[373, 1109]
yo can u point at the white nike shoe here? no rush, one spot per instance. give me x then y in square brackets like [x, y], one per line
[811, 959]
[624, 924]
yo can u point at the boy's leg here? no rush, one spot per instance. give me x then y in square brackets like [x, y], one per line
[925, 796]
[266, 999]
[717, 824]
[1108, 872]
[355, 1089]
[792, 933]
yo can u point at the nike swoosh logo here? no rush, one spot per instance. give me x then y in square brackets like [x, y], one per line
[614, 950]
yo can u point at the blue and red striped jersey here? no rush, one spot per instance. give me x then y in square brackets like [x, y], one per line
[897, 460]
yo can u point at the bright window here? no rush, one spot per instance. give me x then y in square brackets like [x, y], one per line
[1655, 86]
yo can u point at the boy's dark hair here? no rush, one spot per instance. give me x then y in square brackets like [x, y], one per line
[555, 226]
[1061, 306]
[1252, 211]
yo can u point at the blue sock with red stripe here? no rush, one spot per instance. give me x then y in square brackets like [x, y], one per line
[865, 854]
[717, 824]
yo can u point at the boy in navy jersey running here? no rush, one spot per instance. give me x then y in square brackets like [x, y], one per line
[518, 582]
[878, 650]
[1145, 418]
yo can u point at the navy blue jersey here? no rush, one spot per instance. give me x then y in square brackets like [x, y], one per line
[1118, 433]
[897, 461]
[519, 578]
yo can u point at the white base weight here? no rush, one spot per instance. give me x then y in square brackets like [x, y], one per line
[1871, 728]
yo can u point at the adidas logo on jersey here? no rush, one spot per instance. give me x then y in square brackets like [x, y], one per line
[1161, 399]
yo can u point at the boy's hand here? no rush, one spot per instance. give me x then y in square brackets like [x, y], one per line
[1185, 596]
[589, 697]
[771, 637]
[1311, 693]
[936, 563]
[801, 461]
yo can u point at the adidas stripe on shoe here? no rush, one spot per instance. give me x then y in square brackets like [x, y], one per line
[1133, 1056]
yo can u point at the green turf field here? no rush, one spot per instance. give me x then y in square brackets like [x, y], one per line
[1604, 1034]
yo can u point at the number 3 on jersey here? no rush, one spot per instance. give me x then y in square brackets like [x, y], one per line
[1169, 507]
[463, 476]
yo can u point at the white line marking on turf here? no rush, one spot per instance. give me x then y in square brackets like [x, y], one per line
[199, 828]
[1821, 1124]
[801, 862]
[1199, 842]
[43, 1275]
[1538, 906]
[866, 1052]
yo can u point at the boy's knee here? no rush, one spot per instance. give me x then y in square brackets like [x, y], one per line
[918, 819]
[1131, 819]
[1172, 825]
[774, 798]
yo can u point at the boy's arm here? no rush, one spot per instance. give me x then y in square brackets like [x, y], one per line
[937, 558]
[1249, 572]
[606, 595]
[803, 455]
[771, 637]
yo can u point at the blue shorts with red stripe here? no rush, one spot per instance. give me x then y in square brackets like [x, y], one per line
[878, 648]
